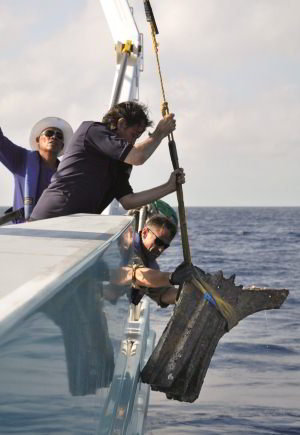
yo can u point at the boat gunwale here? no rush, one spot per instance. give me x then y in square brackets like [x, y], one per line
[22, 301]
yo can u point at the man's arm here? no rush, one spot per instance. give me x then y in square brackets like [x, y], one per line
[144, 276]
[141, 151]
[152, 278]
[134, 200]
[12, 156]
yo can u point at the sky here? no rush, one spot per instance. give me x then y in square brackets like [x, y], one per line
[232, 77]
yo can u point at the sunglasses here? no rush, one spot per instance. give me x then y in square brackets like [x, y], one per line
[158, 242]
[50, 133]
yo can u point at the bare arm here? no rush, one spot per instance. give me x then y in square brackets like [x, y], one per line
[143, 275]
[141, 151]
[134, 200]
[12, 156]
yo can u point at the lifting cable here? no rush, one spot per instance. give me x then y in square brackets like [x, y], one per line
[207, 290]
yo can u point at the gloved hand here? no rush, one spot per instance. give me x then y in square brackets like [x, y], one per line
[182, 273]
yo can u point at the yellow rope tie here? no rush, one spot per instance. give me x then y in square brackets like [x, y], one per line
[164, 108]
[133, 279]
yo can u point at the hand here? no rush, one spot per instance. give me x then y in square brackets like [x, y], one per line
[183, 272]
[177, 176]
[165, 126]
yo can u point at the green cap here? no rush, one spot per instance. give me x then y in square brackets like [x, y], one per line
[161, 207]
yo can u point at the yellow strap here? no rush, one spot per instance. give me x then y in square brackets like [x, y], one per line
[224, 307]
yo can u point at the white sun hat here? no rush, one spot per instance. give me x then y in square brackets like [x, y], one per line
[54, 122]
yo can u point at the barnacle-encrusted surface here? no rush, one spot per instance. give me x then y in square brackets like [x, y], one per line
[182, 356]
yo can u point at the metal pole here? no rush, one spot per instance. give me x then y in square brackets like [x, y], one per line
[119, 84]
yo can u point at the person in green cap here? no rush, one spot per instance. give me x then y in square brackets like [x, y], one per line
[154, 238]
[141, 270]
[149, 243]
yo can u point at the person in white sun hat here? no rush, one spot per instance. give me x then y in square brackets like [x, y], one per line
[32, 170]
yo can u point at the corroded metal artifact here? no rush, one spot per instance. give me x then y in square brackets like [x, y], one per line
[182, 356]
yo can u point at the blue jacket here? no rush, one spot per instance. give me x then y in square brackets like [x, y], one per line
[31, 176]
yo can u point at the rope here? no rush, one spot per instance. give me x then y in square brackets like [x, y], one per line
[207, 290]
[164, 105]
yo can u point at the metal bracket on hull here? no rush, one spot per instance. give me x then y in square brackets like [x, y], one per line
[129, 347]
[127, 403]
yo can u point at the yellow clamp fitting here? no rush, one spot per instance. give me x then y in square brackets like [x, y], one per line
[127, 47]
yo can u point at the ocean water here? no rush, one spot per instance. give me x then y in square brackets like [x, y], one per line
[253, 383]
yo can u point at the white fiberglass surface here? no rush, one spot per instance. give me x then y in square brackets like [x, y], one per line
[57, 364]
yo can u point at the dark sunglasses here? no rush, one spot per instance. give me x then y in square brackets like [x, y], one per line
[51, 133]
[158, 242]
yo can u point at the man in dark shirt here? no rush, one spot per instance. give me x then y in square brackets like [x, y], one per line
[32, 170]
[98, 161]
[143, 272]
[155, 237]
